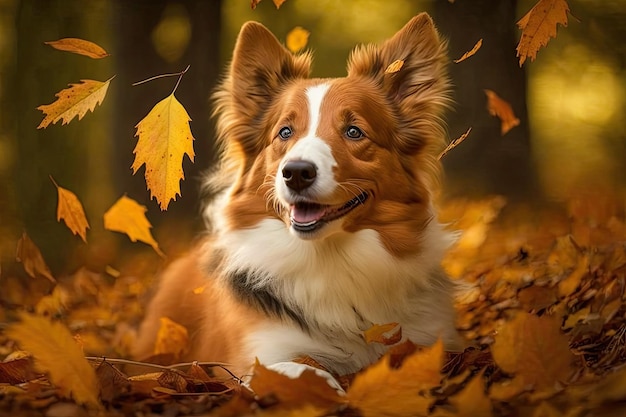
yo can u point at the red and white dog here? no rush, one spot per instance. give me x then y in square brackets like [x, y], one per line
[323, 224]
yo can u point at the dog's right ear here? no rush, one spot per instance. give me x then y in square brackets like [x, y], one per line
[260, 66]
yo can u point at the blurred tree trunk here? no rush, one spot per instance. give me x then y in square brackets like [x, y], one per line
[486, 162]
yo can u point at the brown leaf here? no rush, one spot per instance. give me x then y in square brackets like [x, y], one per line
[470, 53]
[171, 338]
[31, 258]
[111, 381]
[74, 101]
[309, 388]
[381, 390]
[16, 371]
[70, 210]
[535, 350]
[387, 334]
[254, 3]
[395, 66]
[454, 143]
[539, 25]
[79, 46]
[297, 38]
[502, 109]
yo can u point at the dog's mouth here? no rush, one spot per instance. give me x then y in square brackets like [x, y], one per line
[307, 216]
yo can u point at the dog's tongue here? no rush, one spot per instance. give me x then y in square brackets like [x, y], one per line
[307, 213]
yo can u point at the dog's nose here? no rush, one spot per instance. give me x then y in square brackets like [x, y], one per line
[299, 174]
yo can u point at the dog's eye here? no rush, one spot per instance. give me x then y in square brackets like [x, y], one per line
[353, 132]
[285, 133]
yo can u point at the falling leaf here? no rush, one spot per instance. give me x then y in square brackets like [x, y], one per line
[30, 256]
[70, 210]
[79, 46]
[278, 3]
[498, 107]
[129, 217]
[471, 52]
[164, 139]
[535, 350]
[297, 39]
[387, 334]
[454, 143]
[74, 101]
[539, 25]
[308, 388]
[172, 338]
[381, 390]
[56, 353]
[471, 401]
[395, 66]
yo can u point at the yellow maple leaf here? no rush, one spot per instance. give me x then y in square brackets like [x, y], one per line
[129, 217]
[172, 338]
[164, 139]
[56, 353]
[74, 101]
[70, 210]
[503, 110]
[297, 38]
[31, 258]
[472, 401]
[539, 25]
[383, 391]
[79, 46]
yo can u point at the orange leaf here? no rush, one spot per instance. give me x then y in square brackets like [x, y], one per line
[470, 53]
[172, 338]
[535, 350]
[472, 400]
[395, 66]
[454, 143]
[387, 334]
[30, 256]
[498, 107]
[79, 46]
[297, 38]
[164, 137]
[129, 217]
[254, 3]
[539, 25]
[74, 101]
[308, 388]
[381, 390]
[71, 211]
[56, 353]
[278, 3]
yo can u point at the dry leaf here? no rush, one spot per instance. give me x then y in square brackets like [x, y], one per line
[472, 401]
[498, 107]
[383, 391]
[164, 139]
[308, 388]
[470, 53]
[31, 258]
[539, 25]
[454, 143]
[16, 371]
[535, 350]
[74, 101]
[71, 211]
[277, 3]
[172, 338]
[387, 334]
[297, 39]
[395, 66]
[55, 352]
[79, 46]
[129, 217]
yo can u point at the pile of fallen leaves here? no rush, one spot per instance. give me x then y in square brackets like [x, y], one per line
[541, 305]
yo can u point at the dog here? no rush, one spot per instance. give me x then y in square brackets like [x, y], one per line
[323, 223]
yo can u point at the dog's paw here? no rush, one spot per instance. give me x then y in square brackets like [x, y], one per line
[293, 370]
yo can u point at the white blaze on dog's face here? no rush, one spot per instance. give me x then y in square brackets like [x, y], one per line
[329, 156]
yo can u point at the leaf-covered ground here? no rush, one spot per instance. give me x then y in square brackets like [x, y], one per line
[541, 304]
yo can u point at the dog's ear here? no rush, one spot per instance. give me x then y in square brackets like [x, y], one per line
[420, 88]
[261, 65]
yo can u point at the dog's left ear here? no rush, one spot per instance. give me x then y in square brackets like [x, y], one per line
[420, 88]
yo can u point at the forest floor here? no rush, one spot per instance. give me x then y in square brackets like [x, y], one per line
[542, 307]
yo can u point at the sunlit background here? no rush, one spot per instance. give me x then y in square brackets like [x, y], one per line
[575, 100]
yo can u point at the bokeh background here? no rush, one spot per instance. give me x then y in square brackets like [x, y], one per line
[570, 100]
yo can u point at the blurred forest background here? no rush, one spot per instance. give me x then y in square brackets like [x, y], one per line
[571, 102]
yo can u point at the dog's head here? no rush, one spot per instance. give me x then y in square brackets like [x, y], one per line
[327, 156]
